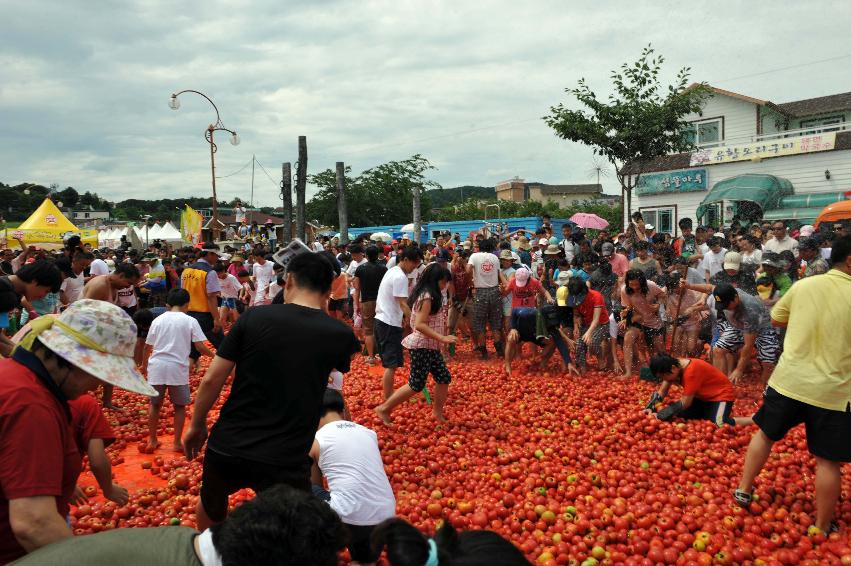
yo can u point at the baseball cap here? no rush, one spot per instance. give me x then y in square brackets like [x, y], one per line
[649, 227]
[443, 256]
[506, 254]
[773, 260]
[563, 278]
[543, 242]
[521, 277]
[467, 244]
[724, 295]
[210, 247]
[607, 249]
[808, 244]
[732, 260]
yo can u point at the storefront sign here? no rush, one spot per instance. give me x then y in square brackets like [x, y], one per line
[768, 148]
[672, 182]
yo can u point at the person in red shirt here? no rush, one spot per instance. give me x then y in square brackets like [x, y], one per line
[93, 434]
[60, 358]
[590, 320]
[525, 290]
[707, 393]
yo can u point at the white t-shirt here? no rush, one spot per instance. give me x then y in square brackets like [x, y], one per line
[713, 262]
[335, 380]
[230, 287]
[353, 267]
[349, 457]
[485, 269]
[73, 287]
[787, 244]
[394, 285]
[263, 277]
[171, 335]
[98, 267]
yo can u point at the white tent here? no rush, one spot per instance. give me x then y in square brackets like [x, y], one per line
[168, 233]
[153, 231]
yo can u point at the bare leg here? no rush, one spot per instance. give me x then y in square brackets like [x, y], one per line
[107, 398]
[370, 346]
[203, 521]
[767, 370]
[397, 398]
[389, 374]
[441, 392]
[179, 420]
[153, 423]
[758, 452]
[828, 484]
[719, 360]
[616, 364]
[743, 421]
[628, 343]
[510, 352]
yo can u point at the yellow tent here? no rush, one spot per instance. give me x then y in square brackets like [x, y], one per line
[48, 228]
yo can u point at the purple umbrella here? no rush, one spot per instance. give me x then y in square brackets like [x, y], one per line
[587, 220]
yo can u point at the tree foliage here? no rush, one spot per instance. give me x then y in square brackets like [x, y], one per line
[640, 121]
[380, 195]
[476, 209]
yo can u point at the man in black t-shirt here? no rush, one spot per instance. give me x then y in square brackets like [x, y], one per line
[283, 355]
[367, 280]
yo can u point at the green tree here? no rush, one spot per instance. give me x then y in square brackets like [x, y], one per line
[69, 197]
[640, 121]
[380, 195]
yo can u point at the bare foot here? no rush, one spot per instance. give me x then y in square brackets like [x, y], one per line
[152, 445]
[439, 416]
[383, 415]
[625, 376]
[507, 368]
[112, 407]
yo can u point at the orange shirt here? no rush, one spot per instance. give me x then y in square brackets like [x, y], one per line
[706, 382]
[339, 287]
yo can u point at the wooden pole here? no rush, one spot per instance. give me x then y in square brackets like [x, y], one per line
[301, 187]
[342, 211]
[287, 198]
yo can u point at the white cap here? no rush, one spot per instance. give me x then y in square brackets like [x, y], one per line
[649, 227]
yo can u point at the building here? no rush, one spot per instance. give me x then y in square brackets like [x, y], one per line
[754, 159]
[432, 230]
[517, 190]
[86, 216]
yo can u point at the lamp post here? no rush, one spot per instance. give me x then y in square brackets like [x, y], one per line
[174, 104]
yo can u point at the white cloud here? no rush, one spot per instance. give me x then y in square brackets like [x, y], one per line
[84, 86]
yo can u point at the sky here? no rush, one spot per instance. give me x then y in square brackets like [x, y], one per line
[84, 86]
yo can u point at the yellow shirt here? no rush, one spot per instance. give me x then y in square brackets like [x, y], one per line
[815, 367]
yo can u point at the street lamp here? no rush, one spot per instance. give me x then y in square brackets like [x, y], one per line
[174, 104]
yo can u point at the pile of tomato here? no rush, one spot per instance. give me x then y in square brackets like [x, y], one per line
[569, 469]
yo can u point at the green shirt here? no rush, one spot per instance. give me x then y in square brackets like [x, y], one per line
[161, 546]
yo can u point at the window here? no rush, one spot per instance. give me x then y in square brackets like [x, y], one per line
[821, 122]
[87, 214]
[706, 133]
[663, 219]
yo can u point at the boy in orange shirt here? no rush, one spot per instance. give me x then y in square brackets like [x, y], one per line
[707, 393]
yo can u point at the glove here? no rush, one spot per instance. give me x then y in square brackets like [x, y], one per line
[655, 398]
[670, 411]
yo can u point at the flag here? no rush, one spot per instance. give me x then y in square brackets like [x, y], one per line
[191, 222]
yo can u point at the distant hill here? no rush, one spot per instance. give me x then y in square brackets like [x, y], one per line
[440, 198]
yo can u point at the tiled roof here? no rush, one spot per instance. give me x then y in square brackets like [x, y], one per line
[819, 105]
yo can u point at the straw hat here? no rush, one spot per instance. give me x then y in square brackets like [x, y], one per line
[523, 243]
[506, 254]
[552, 249]
[97, 337]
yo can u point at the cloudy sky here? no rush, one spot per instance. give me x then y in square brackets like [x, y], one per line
[84, 86]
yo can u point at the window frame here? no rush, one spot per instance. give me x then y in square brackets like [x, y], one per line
[819, 123]
[695, 124]
[655, 210]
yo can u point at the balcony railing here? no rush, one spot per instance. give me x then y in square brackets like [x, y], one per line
[809, 130]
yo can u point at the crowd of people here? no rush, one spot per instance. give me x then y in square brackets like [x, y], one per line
[692, 311]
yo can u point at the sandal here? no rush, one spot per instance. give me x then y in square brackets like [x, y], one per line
[742, 498]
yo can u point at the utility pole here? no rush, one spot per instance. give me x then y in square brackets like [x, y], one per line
[252, 182]
[342, 211]
[287, 198]
[301, 187]
[415, 191]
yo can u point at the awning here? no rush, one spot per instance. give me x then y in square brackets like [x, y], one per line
[801, 215]
[835, 212]
[764, 190]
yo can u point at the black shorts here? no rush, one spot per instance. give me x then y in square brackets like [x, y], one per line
[827, 431]
[224, 475]
[389, 340]
[337, 304]
[360, 536]
[205, 321]
[425, 361]
[716, 411]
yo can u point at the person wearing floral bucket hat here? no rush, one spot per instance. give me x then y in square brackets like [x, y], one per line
[59, 359]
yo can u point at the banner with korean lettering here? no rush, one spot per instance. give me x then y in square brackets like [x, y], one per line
[672, 182]
[763, 149]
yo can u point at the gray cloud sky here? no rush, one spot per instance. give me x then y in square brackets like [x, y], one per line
[84, 86]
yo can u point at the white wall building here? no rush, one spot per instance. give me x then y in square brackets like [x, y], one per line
[754, 159]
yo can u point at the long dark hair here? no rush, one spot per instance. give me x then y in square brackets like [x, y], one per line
[407, 546]
[430, 282]
[636, 275]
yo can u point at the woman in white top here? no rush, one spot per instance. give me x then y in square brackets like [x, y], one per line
[751, 252]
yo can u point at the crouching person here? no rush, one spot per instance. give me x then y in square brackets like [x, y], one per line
[281, 526]
[707, 393]
[358, 490]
